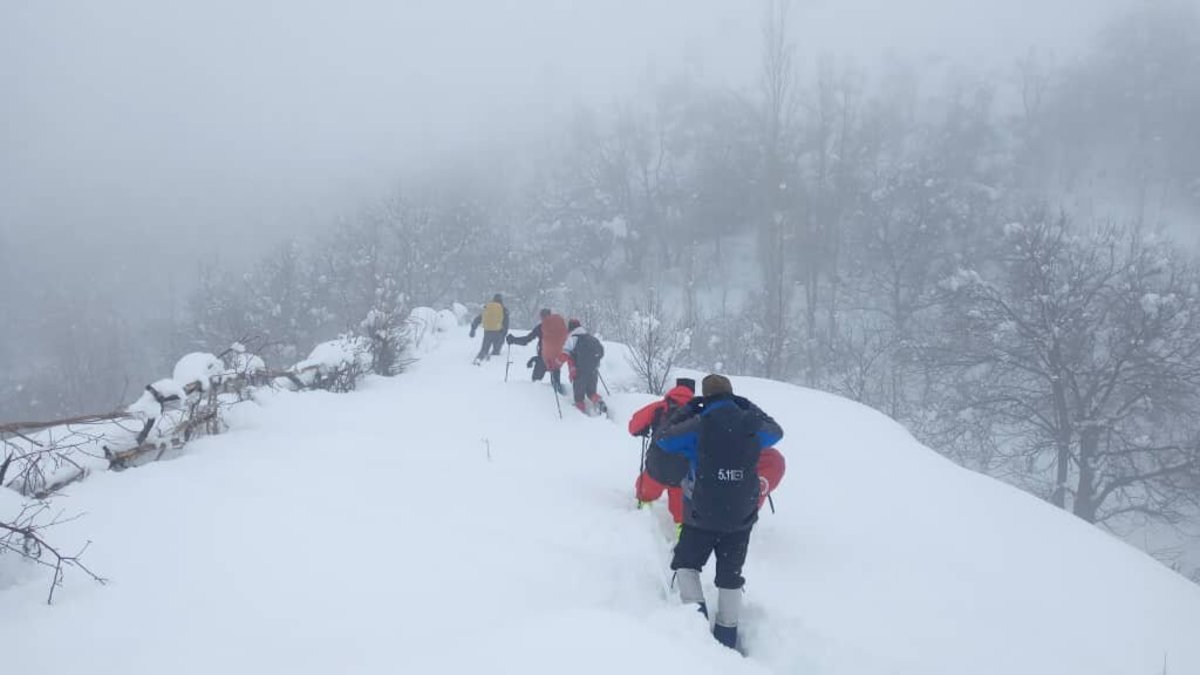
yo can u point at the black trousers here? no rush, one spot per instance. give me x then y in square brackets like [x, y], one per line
[492, 339]
[539, 371]
[695, 545]
[585, 384]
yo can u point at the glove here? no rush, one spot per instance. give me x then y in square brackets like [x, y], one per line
[571, 371]
[531, 362]
[472, 332]
[508, 339]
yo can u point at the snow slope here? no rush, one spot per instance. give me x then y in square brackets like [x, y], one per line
[445, 521]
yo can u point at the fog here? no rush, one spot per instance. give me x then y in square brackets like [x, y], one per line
[152, 127]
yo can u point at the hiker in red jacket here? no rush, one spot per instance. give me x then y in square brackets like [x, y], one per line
[664, 472]
[646, 422]
[551, 334]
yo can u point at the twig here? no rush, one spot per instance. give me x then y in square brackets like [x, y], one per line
[33, 545]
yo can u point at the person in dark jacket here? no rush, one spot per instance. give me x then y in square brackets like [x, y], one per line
[494, 318]
[663, 472]
[583, 352]
[538, 361]
[722, 437]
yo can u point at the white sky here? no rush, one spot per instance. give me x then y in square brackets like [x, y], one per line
[174, 121]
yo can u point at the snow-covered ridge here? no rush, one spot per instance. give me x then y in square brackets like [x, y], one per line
[447, 521]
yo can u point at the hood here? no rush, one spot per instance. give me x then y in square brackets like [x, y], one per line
[681, 395]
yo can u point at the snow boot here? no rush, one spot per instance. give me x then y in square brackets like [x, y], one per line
[729, 610]
[726, 635]
[600, 406]
[582, 408]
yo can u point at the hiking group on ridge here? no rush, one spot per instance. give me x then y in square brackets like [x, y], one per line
[712, 454]
[566, 343]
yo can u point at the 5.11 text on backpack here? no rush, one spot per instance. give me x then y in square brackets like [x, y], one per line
[731, 475]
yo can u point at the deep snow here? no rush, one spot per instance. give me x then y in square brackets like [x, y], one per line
[446, 521]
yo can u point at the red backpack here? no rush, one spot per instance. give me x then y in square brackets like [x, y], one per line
[554, 336]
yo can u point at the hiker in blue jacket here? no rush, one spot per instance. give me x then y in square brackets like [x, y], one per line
[722, 436]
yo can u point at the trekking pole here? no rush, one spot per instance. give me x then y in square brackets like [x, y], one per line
[771, 502]
[556, 403]
[606, 391]
[509, 364]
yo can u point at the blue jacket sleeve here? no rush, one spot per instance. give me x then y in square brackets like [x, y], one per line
[769, 433]
[681, 438]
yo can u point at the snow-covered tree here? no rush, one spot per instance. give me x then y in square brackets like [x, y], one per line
[1085, 348]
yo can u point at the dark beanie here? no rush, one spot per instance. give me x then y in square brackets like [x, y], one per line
[545, 312]
[573, 324]
[715, 385]
[497, 298]
[686, 382]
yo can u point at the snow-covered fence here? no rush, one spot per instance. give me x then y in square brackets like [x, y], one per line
[40, 458]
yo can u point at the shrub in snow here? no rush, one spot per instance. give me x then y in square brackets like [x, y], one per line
[425, 323]
[461, 314]
[238, 361]
[388, 335]
[336, 365]
[655, 343]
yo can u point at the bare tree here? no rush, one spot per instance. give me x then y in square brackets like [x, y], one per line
[780, 192]
[655, 342]
[1088, 345]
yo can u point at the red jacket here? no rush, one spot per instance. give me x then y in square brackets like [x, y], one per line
[554, 335]
[642, 419]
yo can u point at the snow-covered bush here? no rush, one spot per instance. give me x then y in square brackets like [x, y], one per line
[426, 323]
[336, 365]
[655, 343]
[239, 362]
[388, 334]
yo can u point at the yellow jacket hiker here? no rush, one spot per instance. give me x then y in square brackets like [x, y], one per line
[494, 318]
